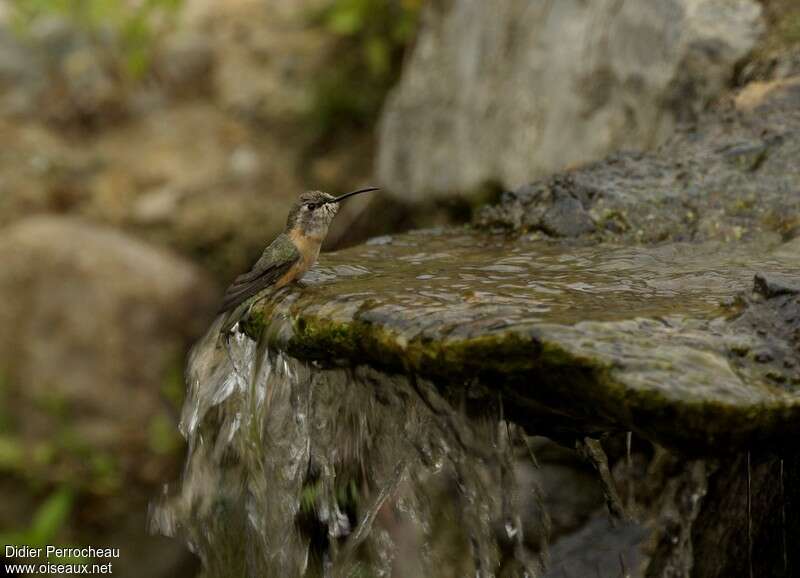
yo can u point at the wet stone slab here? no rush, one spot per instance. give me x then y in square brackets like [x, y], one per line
[670, 341]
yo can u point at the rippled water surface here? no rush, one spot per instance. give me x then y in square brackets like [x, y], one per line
[517, 281]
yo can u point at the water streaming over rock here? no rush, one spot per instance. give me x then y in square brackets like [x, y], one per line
[303, 470]
[319, 445]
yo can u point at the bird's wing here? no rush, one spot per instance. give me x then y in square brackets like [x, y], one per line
[275, 261]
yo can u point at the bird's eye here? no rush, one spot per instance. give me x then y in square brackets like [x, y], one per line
[311, 206]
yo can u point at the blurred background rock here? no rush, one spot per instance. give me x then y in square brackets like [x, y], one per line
[150, 148]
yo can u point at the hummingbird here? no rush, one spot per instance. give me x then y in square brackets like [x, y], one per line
[289, 256]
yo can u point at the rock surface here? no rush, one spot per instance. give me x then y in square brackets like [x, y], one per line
[733, 176]
[492, 91]
[94, 323]
[681, 325]
[576, 338]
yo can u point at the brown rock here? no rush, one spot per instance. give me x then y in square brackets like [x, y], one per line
[93, 323]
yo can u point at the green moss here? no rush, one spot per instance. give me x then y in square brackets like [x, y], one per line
[615, 221]
[783, 20]
[531, 371]
[506, 354]
[254, 323]
[309, 496]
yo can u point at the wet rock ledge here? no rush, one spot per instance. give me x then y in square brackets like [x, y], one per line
[623, 299]
[576, 339]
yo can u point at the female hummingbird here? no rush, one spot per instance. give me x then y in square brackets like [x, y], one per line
[290, 255]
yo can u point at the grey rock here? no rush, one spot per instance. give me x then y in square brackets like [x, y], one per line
[571, 495]
[507, 91]
[775, 286]
[567, 218]
[20, 77]
[738, 518]
[599, 549]
[607, 338]
[731, 176]
[657, 331]
[94, 324]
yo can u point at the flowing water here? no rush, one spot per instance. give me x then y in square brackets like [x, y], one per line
[297, 470]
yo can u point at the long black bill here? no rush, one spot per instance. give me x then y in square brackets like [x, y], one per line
[340, 198]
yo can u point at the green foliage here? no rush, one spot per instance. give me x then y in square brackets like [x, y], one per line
[133, 28]
[373, 36]
[47, 522]
[50, 517]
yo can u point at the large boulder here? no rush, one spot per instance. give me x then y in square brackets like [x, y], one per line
[507, 91]
[95, 325]
[721, 181]
[95, 320]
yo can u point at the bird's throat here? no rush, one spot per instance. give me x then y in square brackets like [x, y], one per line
[307, 245]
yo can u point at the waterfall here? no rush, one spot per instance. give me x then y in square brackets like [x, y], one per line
[297, 468]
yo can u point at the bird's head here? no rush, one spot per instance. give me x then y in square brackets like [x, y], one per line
[314, 211]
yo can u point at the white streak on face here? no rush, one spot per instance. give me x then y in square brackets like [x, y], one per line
[316, 222]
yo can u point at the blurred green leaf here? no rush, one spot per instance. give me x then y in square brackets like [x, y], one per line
[50, 517]
[345, 20]
[374, 36]
[48, 522]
